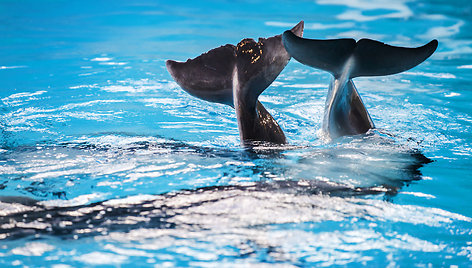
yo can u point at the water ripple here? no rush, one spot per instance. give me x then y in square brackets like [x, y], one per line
[398, 9]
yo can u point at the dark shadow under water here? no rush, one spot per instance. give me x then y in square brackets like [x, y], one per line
[158, 211]
[379, 166]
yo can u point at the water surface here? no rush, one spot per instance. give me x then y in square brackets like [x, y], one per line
[116, 165]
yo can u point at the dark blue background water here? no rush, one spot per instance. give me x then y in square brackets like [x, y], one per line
[89, 114]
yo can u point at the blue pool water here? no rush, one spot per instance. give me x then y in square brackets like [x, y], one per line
[129, 169]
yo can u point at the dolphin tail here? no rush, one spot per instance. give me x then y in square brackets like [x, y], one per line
[370, 57]
[209, 76]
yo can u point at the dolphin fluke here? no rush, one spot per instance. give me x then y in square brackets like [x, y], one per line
[370, 57]
[345, 113]
[374, 58]
[208, 76]
[236, 76]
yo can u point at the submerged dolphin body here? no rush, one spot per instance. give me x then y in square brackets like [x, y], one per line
[236, 76]
[345, 113]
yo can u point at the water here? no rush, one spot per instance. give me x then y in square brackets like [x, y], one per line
[116, 165]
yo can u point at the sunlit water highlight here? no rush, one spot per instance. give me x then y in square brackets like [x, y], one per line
[111, 163]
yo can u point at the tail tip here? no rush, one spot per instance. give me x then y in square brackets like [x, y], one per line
[298, 29]
[169, 63]
[434, 44]
[170, 67]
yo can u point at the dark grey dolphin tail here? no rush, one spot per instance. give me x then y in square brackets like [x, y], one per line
[236, 76]
[371, 58]
[374, 58]
[208, 76]
[345, 113]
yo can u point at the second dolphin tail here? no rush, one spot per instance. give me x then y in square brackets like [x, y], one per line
[369, 57]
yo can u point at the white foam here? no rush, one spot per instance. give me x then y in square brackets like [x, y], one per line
[452, 94]
[429, 196]
[77, 201]
[13, 208]
[136, 199]
[83, 86]
[113, 63]
[11, 67]
[101, 258]
[101, 59]
[127, 252]
[33, 249]
[23, 95]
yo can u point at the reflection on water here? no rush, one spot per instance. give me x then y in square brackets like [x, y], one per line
[226, 207]
[299, 183]
[275, 221]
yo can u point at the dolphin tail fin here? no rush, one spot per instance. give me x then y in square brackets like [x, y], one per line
[371, 58]
[207, 76]
[374, 58]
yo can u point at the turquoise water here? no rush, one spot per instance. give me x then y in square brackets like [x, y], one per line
[129, 169]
